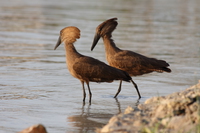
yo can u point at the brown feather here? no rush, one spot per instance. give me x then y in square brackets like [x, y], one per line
[86, 68]
[133, 63]
[129, 61]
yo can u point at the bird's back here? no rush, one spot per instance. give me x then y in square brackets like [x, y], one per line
[129, 61]
[90, 69]
[137, 64]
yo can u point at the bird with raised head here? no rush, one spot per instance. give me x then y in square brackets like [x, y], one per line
[133, 63]
[85, 68]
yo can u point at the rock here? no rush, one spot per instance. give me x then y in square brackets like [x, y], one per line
[177, 112]
[128, 110]
[35, 129]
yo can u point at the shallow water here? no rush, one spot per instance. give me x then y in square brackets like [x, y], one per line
[35, 85]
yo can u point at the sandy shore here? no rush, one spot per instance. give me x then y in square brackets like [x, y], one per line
[176, 113]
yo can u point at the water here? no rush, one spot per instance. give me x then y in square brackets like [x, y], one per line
[36, 87]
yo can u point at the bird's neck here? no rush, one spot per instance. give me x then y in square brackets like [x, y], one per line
[71, 52]
[110, 46]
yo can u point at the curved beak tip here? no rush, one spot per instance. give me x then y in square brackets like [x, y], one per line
[91, 48]
[95, 41]
[58, 43]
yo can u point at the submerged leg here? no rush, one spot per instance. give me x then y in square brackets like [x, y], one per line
[84, 94]
[136, 88]
[119, 89]
[90, 94]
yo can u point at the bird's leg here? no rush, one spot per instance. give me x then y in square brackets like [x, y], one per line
[119, 89]
[90, 94]
[136, 88]
[84, 94]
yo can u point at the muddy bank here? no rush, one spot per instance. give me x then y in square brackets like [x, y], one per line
[177, 112]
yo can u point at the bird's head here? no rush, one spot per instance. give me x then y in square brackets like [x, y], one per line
[68, 35]
[105, 28]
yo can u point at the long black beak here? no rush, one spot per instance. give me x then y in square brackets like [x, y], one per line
[95, 41]
[58, 43]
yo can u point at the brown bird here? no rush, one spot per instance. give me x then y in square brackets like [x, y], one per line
[133, 63]
[86, 68]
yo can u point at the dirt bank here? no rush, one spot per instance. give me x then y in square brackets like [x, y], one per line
[176, 113]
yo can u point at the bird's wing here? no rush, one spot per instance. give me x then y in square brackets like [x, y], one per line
[95, 70]
[135, 60]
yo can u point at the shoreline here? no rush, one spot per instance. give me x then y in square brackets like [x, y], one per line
[176, 112]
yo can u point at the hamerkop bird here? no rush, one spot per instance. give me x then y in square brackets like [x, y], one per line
[86, 68]
[133, 63]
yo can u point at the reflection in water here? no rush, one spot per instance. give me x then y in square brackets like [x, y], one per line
[90, 119]
[84, 121]
[36, 87]
[119, 106]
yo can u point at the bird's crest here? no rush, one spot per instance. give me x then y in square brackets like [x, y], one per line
[70, 34]
[107, 26]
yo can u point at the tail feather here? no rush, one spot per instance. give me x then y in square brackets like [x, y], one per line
[166, 69]
[159, 65]
[127, 77]
[163, 69]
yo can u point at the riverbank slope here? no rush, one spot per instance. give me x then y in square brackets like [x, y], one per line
[175, 113]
